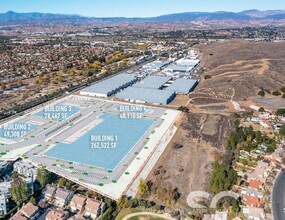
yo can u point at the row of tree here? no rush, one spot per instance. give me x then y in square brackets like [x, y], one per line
[20, 191]
[166, 194]
[245, 138]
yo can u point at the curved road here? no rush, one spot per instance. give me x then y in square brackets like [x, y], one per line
[278, 195]
[164, 216]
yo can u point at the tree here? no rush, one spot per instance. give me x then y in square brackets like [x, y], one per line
[223, 177]
[43, 176]
[19, 189]
[33, 200]
[276, 93]
[261, 93]
[207, 77]
[258, 137]
[143, 188]
[261, 109]
[64, 183]
[183, 109]
[280, 112]
[270, 149]
[282, 130]
[123, 202]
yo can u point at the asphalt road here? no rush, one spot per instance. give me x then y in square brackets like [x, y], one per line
[278, 195]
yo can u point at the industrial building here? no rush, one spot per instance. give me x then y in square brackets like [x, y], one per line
[183, 65]
[110, 86]
[157, 65]
[182, 86]
[146, 95]
[152, 82]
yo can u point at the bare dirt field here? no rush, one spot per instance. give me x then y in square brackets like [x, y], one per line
[187, 160]
[239, 69]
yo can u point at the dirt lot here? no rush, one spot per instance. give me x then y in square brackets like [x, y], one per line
[239, 69]
[201, 137]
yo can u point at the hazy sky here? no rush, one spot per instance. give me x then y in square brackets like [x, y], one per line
[135, 8]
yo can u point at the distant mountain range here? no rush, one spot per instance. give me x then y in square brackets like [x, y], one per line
[179, 17]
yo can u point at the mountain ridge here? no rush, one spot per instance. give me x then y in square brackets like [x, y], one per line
[247, 15]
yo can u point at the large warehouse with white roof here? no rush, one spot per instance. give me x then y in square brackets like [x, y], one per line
[146, 95]
[110, 86]
[182, 86]
[152, 82]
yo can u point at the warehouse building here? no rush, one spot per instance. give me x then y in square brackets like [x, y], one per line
[182, 86]
[183, 65]
[157, 65]
[110, 86]
[152, 82]
[146, 95]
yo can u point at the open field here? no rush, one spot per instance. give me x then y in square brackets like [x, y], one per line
[239, 69]
[187, 160]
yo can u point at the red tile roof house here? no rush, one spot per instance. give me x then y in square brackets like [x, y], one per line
[62, 197]
[28, 211]
[252, 201]
[256, 185]
[49, 192]
[94, 208]
[77, 203]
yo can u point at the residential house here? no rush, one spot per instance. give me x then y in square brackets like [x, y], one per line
[254, 176]
[216, 216]
[3, 204]
[30, 184]
[252, 201]
[77, 203]
[49, 192]
[26, 169]
[57, 214]
[4, 167]
[5, 195]
[18, 216]
[28, 212]
[254, 213]
[261, 172]
[256, 185]
[77, 217]
[262, 164]
[275, 157]
[62, 197]
[94, 208]
[265, 124]
[254, 192]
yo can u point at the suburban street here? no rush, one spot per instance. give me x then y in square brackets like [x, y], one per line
[278, 195]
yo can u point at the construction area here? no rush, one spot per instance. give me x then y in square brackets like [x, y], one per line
[102, 145]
